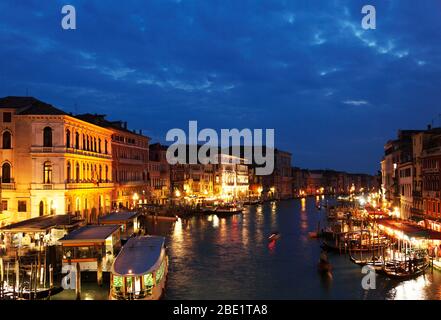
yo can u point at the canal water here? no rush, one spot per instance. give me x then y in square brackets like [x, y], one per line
[231, 258]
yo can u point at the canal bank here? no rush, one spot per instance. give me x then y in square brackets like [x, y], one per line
[231, 258]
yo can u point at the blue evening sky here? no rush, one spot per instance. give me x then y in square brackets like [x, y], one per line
[333, 92]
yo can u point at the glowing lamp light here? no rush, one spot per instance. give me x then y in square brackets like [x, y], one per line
[178, 193]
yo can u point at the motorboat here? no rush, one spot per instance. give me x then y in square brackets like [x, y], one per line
[140, 270]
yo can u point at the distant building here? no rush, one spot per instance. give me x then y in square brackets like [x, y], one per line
[278, 185]
[159, 174]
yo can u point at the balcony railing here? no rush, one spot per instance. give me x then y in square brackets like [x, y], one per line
[35, 149]
[8, 186]
[89, 185]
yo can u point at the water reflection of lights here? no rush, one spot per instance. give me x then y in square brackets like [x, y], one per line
[177, 232]
[412, 289]
[259, 209]
[303, 203]
[215, 221]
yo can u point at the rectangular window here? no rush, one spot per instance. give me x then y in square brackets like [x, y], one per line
[21, 206]
[7, 117]
[5, 205]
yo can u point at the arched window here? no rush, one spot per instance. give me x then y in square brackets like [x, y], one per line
[7, 140]
[84, 142]
[77, 140]
[6, 173]
[47, 137]
[99, 145]
[41, 208]
[100, 177]
[47, 172]
[94, 145]
[67, 138]
[107, 174]
[69, 172]
[77, 172]
[105, 147]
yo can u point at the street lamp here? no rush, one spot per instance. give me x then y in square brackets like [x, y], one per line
[135, 199]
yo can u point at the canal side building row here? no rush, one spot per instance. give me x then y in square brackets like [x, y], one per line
[53, 162]
[411, 173]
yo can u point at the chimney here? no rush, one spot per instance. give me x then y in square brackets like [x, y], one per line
[125, 124]
[140, 132]
[429, 127]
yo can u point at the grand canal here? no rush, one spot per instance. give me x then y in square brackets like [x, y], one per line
[230, 258]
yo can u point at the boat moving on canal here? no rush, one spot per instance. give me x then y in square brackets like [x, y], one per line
[274, 236]
[140, 270]
[324, 266]
[228, 210]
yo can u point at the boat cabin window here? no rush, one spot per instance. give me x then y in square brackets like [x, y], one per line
[160, 272]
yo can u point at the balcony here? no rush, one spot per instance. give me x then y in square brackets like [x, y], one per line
[89, 185]
[8, 186]
[35, 149]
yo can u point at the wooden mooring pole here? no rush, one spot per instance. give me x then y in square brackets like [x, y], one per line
[78, 282]
[99, 271]
[2, 271]
[51, 276]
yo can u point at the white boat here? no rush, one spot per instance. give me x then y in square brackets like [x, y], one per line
[140, 270]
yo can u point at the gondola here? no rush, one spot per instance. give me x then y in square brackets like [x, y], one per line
[402, 271]
[377, 264]
[228, 210]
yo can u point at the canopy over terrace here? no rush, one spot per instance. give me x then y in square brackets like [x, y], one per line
[119, 217]
[407, 231]
[128, 220]
[92, 246]
[90, 233]
[43, 224]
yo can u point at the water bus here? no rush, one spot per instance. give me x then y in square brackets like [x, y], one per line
[140, 270]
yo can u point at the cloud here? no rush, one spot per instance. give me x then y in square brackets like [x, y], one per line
[356, 102]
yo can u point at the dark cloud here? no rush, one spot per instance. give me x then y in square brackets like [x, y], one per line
[333, 91]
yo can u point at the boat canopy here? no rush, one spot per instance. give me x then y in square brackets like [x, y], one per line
[90, 233]
[139, 256]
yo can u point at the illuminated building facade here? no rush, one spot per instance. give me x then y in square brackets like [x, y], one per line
[227, 180]
[130, 158]
[159, 174]
[278, 185]
[52, 162]
[431, 176]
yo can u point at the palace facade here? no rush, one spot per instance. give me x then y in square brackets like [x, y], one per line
[52, 162]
